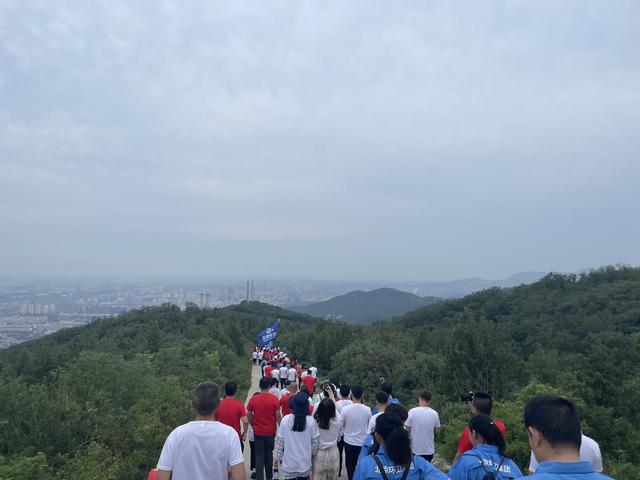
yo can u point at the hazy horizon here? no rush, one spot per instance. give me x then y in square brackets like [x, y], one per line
[326, 141]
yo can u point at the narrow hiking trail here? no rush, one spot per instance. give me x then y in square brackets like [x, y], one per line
[255, 379]
[253, 388]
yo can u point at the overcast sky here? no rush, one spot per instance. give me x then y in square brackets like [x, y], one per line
[332, 140]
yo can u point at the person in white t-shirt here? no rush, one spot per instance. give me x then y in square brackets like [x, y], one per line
[589, 452]
[274, 389]
[326, 461]
[275, 373]
[297, 440]
[292, 374]
[355, 419]
[284, 373]
[204, 448]
[382, 402]
[314, 372]
[423, 423]
[345, 391]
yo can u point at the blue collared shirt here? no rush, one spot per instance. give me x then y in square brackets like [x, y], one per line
[419, 469]
[468, 466]
[567, 471]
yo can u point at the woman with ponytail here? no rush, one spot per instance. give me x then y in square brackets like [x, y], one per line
[394, 459]
[486, 460]
[297, 440]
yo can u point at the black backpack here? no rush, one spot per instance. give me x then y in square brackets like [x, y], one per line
[489, 474]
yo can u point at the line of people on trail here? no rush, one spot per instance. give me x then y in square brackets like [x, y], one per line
[298, 431]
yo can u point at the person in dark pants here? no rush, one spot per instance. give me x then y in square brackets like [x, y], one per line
[264, 456]
[263, 412]
[345, 391]
[252, 446]
[355, 421]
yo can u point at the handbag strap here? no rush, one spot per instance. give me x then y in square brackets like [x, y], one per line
[405, 473]
[380, 467]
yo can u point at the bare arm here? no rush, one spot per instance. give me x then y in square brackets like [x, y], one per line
[250, 418]
[164, 475]
[245, 427]
[278, 417]
[236, 472]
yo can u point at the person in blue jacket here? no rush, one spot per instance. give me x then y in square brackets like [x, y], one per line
[486, 459]
[553, 426]
[394, 460]
[370, 446]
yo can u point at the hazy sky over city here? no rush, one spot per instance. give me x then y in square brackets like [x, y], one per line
[358, 140]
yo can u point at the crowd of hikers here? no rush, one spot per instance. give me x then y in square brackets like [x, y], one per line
[302, 427]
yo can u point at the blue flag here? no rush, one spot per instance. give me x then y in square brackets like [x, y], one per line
[268, 335]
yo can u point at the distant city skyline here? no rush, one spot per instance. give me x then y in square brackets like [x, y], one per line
[30, 309]
[333, 141]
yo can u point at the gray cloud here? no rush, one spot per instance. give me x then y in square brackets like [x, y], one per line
[344, 139]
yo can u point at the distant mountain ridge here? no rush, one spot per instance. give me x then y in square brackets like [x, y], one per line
[466, 286]
[359, 307]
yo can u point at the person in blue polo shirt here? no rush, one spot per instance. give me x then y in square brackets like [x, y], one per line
[487, 457]
[553, 426]
[388, 389]
[394, 460]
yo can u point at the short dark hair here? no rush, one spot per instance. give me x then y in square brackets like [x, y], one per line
[230, 388]
[344, 390]
[356, 392]
[386, 388]
[426, 396]
[483, 403]
[556, 418]
[399, 410]
[274, 381]
[382, 397]
[265, 383]
[206, 398]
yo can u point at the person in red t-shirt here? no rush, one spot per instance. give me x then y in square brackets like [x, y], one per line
[481, 403]
[231, 412]
[310, 382]
[263, 411]
[267, 370]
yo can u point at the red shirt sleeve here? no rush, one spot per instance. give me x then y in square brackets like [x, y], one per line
[464, 443]
[250, 405]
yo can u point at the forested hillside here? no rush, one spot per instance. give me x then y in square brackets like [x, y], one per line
[360, 307]
[97, 402]
[577, 335]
